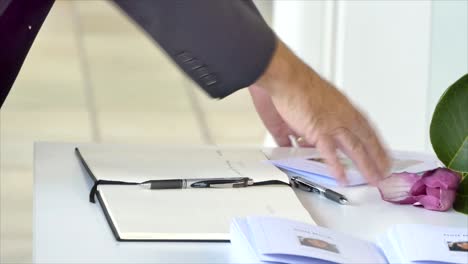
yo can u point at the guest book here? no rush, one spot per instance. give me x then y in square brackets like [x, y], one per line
[138, 214]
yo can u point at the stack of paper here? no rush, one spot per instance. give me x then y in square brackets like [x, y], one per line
[313, 167]
[268, 239]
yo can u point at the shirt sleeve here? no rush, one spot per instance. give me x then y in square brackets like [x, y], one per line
[223, 45]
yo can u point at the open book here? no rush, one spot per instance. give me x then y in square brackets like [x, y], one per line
[135, 213]
[312, 166]
[268, 239]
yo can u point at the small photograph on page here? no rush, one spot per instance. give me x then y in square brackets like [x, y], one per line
[318, 243]
[461, 246]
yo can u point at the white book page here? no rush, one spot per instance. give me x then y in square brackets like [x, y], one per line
[138, 163]
[242, 250]
[192, 214]
[275, 237]
[392, 253]
[314, 168]
[432, 243]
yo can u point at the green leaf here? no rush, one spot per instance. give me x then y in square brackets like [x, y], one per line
[461, 204]
[449, 135]
[449, 126]
[461, 200]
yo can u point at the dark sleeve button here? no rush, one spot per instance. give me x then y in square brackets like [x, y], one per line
[202, 72]
[184, 57]
[193, 64]
[209, 80]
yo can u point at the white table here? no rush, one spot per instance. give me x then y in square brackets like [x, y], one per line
[67, 228]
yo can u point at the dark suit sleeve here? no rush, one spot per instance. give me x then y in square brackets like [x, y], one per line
[20, 20]
[223, 45]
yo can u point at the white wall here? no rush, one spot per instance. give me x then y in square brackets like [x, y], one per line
[449, 50]
[292, 19]
[379, 53]
[384, 66]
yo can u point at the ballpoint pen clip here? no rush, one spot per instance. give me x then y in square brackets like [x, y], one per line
[227, 185]
[308, 186]
[297, 183]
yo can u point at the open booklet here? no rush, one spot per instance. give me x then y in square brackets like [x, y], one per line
[312, 166]
[135, 213]
[269, 239]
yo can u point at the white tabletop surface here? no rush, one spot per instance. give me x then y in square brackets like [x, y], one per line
[69, 229]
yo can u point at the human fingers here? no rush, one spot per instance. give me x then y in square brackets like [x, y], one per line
[302, 142]
[374, 148]
[272, 120]
[327, 149]
[378, 153]
[282, 140]
[353, 147]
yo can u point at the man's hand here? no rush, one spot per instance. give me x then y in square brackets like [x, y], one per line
[273, 121]
[301, 103]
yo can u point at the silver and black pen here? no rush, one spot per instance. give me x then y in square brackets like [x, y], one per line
[309, 186]
[232, 182]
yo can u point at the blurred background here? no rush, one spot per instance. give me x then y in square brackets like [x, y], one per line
[93, 76]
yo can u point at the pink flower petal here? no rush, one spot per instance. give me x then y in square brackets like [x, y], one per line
[419, 188]
[396, 188]
[429, 202]
[434, 190]
[447, 197]
[441, 178]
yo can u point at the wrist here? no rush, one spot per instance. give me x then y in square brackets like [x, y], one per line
[284, 72]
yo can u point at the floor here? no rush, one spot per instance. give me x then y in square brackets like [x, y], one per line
[93, 76]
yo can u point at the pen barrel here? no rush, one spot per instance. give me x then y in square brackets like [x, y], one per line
[167, 184]
[334, 196]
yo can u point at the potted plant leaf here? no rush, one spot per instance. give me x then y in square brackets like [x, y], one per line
[449, 136]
